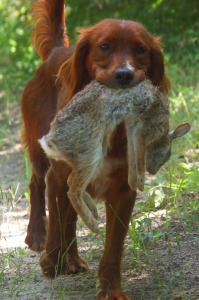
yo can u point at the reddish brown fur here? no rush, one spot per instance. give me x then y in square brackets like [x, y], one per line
[80, 68]
[49, 32]
[41, 98]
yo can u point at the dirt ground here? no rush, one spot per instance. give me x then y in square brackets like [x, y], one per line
[166, 269]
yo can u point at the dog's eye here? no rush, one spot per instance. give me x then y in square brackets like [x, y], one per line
[105, 47]
[139, 50]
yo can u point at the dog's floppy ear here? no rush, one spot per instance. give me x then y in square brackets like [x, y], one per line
[156, 71]
[73, 72]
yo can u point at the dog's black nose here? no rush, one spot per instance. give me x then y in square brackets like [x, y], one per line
[124, 76]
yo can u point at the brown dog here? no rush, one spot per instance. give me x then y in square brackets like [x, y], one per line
[118, 54]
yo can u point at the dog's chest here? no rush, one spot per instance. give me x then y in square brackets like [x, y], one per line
[99, 186]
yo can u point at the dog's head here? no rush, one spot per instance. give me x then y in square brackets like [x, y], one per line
[118, 54]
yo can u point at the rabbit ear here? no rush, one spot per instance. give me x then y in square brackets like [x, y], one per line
[179, 131]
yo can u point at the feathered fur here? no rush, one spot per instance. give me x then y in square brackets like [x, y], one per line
[49, 22]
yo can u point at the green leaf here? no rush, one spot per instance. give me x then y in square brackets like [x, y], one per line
[156, 197]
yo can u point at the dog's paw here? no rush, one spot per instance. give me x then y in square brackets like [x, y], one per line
[75, 264]
[54, 265]
[113, 295]
[36, 235]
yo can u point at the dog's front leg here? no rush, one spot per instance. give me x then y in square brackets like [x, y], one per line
[120, 200]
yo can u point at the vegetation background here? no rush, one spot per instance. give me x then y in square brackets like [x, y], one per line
[176, 21]
[175, 189]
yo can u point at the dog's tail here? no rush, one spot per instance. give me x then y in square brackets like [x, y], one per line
[49, 22]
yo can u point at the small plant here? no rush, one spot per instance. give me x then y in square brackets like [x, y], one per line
[28, 168]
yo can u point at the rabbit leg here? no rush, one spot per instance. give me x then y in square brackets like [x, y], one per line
[136, 156]
[132, 172]
[91, 204]
[77, 183]
[140, 153]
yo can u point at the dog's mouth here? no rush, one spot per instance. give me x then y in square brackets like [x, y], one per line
[113, 84]
[127, 86]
